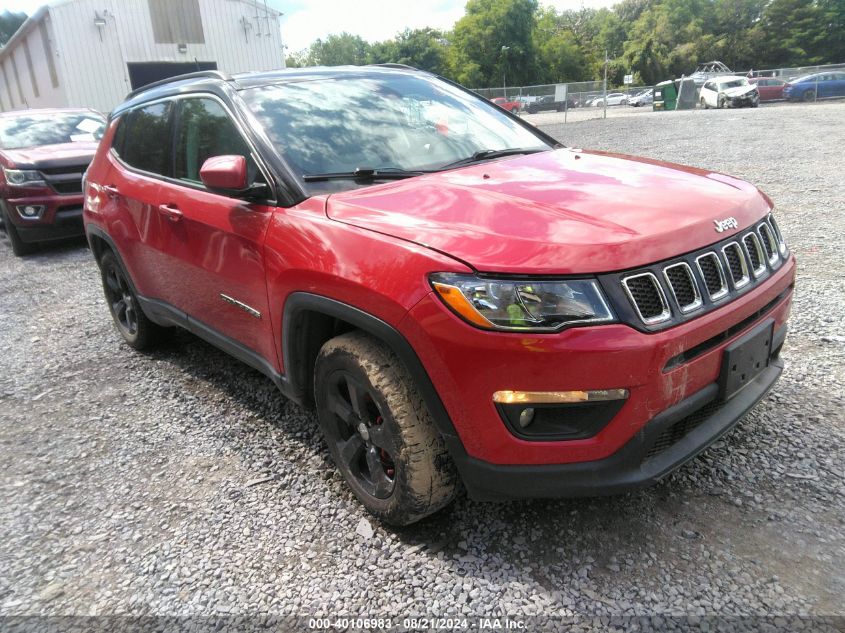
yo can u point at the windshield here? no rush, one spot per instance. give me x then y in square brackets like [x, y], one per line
[736, 83]
[414, 123]
[31, 130]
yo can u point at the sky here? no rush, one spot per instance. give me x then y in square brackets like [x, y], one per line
[306, 20]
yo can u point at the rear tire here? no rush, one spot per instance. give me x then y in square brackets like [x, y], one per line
[704, 104]
[129, 319]
[19, 247]
[380, 433]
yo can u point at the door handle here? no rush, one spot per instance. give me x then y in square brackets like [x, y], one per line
[111, 191]
[172, 213]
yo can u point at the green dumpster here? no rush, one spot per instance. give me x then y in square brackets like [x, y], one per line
[665, 96]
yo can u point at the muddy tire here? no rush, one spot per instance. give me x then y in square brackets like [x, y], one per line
[129, 319]
[19, 247]
[379, 431]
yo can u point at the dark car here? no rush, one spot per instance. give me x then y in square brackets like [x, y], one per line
[43, 155]
[816, 86]
[769, 88]
[547, 104]
[458, 296]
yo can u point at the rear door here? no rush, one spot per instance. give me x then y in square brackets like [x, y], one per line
[130, 188]
[215, 243]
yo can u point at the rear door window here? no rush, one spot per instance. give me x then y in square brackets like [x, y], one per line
[147, 139]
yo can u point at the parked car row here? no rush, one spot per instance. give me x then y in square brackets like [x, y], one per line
[548, 103]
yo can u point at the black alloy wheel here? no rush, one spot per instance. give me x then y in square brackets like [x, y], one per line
[122, 304]
[129, 318]
[365, 444]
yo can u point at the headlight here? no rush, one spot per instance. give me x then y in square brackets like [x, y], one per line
[20, 177]
[522, 305]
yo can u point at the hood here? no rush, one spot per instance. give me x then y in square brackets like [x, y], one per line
[739, 90]
[559, 212]
[45, 156]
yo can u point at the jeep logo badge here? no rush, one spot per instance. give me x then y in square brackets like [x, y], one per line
[724, 225]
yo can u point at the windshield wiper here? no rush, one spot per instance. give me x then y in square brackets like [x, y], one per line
[488, 154]
[365, 173]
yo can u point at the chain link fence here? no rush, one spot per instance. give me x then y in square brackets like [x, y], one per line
[578, 101]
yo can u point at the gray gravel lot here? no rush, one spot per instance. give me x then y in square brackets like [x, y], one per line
[182, 483]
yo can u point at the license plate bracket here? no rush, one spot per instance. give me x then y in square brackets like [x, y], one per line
[745, 358]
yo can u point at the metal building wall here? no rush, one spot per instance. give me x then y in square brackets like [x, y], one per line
[36, 85]
[91, 60]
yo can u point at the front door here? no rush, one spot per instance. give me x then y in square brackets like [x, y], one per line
[216, 242]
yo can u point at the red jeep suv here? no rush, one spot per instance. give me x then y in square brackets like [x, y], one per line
[43, 155]
[459, 296]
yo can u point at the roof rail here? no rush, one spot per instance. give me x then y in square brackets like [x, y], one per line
[208, 74]
[393, 65]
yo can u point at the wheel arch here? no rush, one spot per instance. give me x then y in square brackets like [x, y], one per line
[309, 320]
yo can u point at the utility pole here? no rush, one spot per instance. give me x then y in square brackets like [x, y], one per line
[505, 49]
[605, 83]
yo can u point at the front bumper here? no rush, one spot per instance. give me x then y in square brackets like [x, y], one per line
[62, 217]
[467, 366]
[642, 462]
[744, 101]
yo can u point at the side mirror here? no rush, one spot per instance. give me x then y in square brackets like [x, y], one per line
[224, 173]
[228, 175]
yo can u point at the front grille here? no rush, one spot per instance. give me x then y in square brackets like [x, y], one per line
[67, 186]
[682, 428]
[647, 296]
[768, 241]
[66, 179]
[736, 264]
[663, 294]
[778, 235]
[752, 247]
[683, 286]
[714, 278]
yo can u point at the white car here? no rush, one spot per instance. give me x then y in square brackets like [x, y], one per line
[728, 92]
[613, 98]
[645, 97]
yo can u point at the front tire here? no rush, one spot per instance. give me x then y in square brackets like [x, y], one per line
[809, 95]
[380, 433]
[129, 319]
[19, 247]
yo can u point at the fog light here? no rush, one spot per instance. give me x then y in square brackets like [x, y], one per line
[551, 397]
[30, 211]
[526, 417]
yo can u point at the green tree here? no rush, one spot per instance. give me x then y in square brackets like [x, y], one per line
[478, 38]
[421, 48]
[9, 23]
[338, 50]
[559, 56]
[795, 32]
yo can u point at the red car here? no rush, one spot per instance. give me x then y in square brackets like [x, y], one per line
[43, 155]
[469, 300]
[510, 106]
[769, 88]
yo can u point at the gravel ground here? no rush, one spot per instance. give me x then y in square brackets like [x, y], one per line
[181, 483]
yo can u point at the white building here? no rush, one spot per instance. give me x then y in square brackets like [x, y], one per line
[75, 53]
